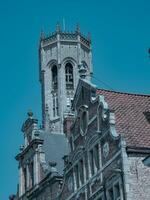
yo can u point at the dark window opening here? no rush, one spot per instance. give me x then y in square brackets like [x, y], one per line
[54, 77]
[84, 121]
[69, 76]
[77, 176]
[147, 115]
[92, 162]
[31, 174]
[25, 178]
[81, 169]
[96, 149]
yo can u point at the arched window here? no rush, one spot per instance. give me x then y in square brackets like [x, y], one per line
[54, 77]
[69, 75]
[83, 122]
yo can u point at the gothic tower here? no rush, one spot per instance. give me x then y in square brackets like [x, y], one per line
[64, 57]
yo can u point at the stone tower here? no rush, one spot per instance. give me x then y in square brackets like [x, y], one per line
[63, 58]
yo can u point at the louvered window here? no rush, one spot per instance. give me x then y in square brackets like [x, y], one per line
[54, 77]
[69, 75]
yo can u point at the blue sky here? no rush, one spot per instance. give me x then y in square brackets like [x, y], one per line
[120, 39]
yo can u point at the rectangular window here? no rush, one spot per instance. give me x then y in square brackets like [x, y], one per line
[81, 171]
[25, 178]
[96, 157]
[114, 193]
[91, 158]
[77, 176]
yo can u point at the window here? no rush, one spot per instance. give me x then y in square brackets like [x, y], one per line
[31, 168]
[54, 77]
[91, 158]
[77, 176]
[83, 122]
[117, 191]
[79, 173]
[94, 159]
[55, 106]
[25, 178]
[96, 156]
[114, 192]
[69, 76]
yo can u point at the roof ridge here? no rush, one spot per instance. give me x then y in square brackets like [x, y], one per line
[126, 93]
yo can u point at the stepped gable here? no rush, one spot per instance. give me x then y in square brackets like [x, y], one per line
[132, 113]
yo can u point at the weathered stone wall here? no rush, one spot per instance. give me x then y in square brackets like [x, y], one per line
[138, 178]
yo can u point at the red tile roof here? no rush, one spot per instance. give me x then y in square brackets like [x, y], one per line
[129, 113]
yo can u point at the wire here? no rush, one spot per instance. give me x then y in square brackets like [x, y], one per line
[107, 85]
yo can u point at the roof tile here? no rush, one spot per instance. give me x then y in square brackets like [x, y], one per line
[131, 121]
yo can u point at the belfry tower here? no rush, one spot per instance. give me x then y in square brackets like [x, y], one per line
[64, 57]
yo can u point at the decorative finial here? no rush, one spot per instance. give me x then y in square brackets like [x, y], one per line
[58, 27]
[30, 114]
[78, 28]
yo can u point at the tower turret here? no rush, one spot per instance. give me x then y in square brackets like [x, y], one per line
[61, 57]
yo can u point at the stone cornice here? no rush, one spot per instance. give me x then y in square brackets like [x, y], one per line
[33, 142]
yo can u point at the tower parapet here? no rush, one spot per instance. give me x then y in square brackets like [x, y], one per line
[75, 36]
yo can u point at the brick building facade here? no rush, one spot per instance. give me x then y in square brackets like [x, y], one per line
[110, 149]
[93, 142]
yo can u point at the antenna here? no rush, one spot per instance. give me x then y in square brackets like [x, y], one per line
[64, 24]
